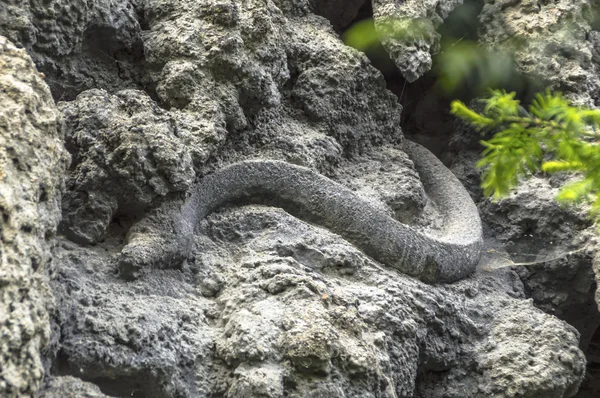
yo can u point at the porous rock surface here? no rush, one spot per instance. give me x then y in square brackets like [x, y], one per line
[32, 166]
[556, 42]
[551, 247]
[556, 245]
[555, 45]
[70, 387]
[272, 306]
[127, 151]
[78, 44]
[266, 304]
[416, 39]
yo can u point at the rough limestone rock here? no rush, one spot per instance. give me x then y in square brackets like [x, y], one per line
[32, 164]
[271, 306]
[127, 152]
[260, 61]
[70, 387]
[264, 304]
[553, 41]
[412, 50]
[553, 245]
[79, 44]
[134, 153]
[556, 246]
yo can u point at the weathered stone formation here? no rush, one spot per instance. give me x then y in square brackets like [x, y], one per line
[78, 44]
[32, 166]
[273, 306]
[128, 151]
[555, 45]
[556, 42]
[409, 33]
[156, 95]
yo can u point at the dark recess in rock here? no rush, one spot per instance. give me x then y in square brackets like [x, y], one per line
[134, 385]
[341, 13]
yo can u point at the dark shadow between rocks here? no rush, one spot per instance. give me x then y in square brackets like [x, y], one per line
[423, 98]
[108, 58]
[137, 385]
[591, 383]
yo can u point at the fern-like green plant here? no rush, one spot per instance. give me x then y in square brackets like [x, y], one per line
[550, 136]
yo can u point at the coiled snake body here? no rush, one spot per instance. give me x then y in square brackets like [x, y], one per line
[448, 257]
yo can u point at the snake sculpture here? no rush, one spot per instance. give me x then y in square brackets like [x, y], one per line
[448, 256]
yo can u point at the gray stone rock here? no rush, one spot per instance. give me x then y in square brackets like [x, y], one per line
[69, 387]
[266, 60]
[553, 245]
[123, 163]
[552, 41]
[32, 164]
[408, 30]
[271, 306]
[556, 245]
[264, 304]
[127, 152]
[78, 44]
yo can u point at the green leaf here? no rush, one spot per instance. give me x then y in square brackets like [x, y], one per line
[459, 109]
[561, 165]
[362, 35]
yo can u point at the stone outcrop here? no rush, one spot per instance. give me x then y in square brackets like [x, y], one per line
[556, 42]
[127, 152]
[156, 95]
[32, 168]
[408, 30]
[78, 44]
[270, 305]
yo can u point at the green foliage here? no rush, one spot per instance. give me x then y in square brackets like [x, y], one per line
[466, 61]
[367, 33]
[550, 136]
[457, 63]
[362, 35]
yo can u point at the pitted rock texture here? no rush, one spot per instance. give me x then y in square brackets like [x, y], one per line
[70, 387]
[265, 304]
[79, 44]
[256, 59]
[556, 245]
[127, 152]
[271, 306]
[417, 20]
[310, 100]
[32, 165]
[553, 41]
